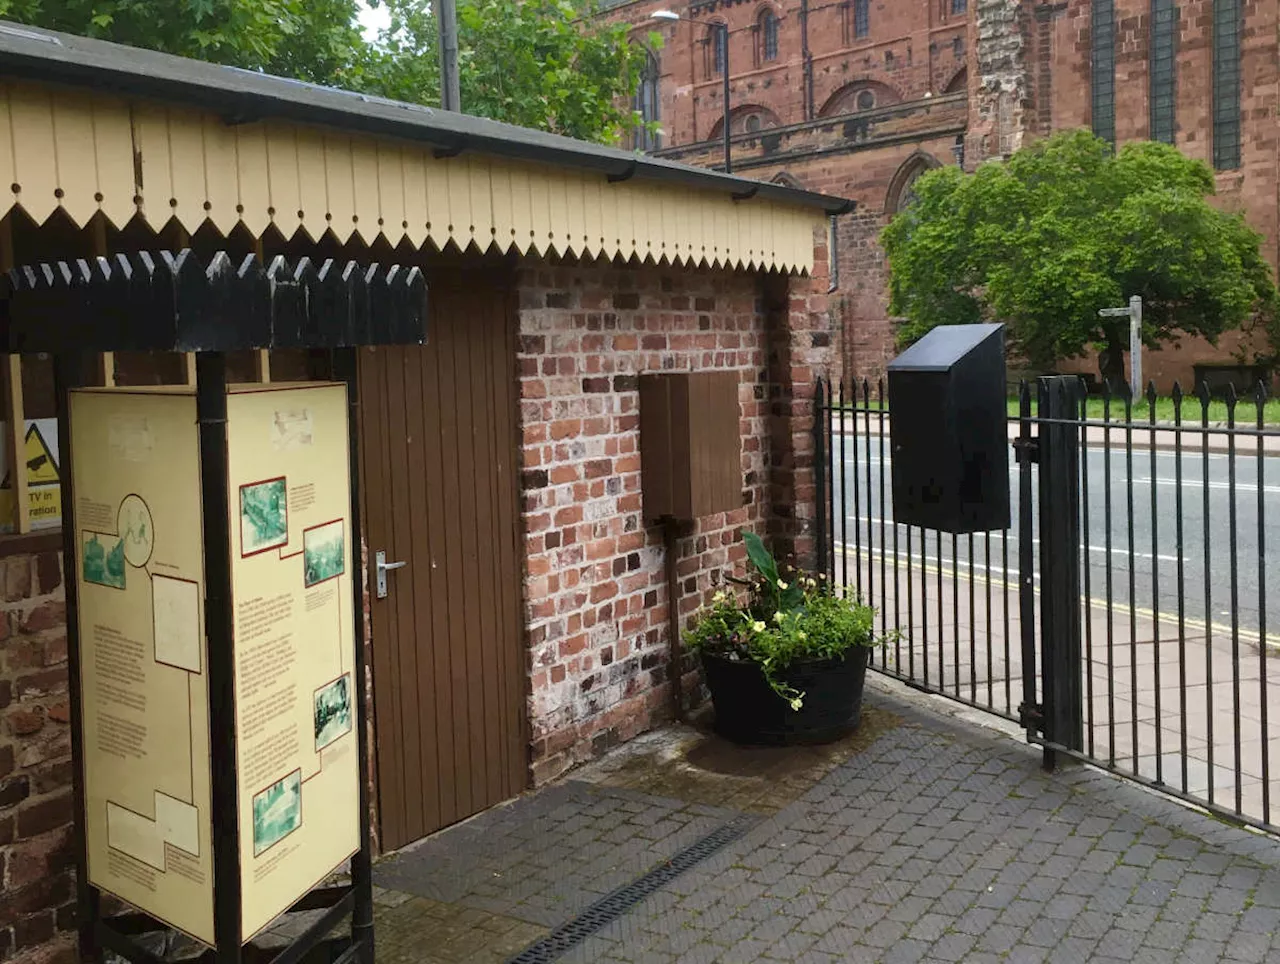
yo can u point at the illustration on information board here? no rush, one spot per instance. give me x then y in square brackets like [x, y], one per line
[333, 711]
[264, 516]
[324, 554]
[277, 812]
[104, 559]
[133, 522]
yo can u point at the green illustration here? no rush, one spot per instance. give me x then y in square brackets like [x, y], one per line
[323, 553]
[264, 517]
[333, 711]
[104, 560]
[277, 812]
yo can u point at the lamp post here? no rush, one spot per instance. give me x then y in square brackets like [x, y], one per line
[723, 28]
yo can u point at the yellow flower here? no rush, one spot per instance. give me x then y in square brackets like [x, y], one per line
[796, 703]
[758, 626]
[802, 635]
[781, 584]
[778, 617]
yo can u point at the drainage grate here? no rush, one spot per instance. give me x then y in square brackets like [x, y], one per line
[612, 906]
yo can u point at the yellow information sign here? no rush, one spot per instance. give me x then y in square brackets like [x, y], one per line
[140, 574]
[44, 489]
[291, 573]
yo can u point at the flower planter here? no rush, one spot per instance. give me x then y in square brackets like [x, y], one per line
[749, 711]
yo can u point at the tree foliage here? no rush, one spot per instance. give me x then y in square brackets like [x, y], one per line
[1066, 227]
[546, 64]
[314, 40]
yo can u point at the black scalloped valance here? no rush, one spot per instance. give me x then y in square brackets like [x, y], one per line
[161, 301]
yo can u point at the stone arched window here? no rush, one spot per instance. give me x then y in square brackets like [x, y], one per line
[859, 96]
[717, 47]
[747, 119]
[767, 31]
[959, 83]
[646, 104]
[902, 188]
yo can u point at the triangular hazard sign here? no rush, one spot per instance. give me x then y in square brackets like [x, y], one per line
[41, 467]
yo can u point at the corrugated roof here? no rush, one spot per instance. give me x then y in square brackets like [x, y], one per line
[32, 54]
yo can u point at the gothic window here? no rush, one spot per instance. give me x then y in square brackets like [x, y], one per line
[646, 105]
[768, 29]
[861, 18]
[902, 190]
[1164, 33]
[1103, 72]
[1226, 84]
[719, 53]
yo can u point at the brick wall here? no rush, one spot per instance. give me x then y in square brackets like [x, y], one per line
[36, 851]
[595, 584]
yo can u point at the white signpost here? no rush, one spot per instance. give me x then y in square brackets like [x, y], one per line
[1134, 313]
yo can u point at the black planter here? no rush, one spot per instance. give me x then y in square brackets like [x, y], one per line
[749, 711]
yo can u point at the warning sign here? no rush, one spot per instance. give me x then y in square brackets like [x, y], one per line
[44, 492]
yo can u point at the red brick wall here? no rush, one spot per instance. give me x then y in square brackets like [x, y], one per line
[596, 596]
[36, 855]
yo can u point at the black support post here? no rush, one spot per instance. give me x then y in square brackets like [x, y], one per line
[211, 413]
[1060, 626]
[344, 368]
[821, 403]
[71, 372]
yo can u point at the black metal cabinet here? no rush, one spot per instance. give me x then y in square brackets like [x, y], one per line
[948, 415]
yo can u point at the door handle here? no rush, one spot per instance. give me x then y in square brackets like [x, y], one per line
[382, 567]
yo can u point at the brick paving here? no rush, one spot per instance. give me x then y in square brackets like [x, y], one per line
[925, 839]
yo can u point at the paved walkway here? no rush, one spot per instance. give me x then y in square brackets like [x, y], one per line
[921, 838]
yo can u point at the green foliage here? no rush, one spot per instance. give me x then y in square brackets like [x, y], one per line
[545, 64]
[781, 621]
[1066, 227]
[312, 40]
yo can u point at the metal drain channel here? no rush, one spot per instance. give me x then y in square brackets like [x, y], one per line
[613, 905]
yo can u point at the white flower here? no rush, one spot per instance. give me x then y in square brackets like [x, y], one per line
[796, 703]
[802, 635]
[720, 596]
[778, 617]
[758, 626]
[781, 584]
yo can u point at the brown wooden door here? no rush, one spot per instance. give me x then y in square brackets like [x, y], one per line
[439, 489]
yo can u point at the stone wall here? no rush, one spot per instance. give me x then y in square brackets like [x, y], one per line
[36, 850]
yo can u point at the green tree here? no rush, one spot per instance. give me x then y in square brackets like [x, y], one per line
[314, 40]
[1066, 227]
[546, 64]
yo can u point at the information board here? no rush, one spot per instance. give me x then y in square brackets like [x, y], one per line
[139, 570]
[291, 571]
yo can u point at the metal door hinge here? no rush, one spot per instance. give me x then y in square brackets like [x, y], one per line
[1030, 715]
[1026, 449]
[381, 567]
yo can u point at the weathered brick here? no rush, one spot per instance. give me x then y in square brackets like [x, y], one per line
[41, 816]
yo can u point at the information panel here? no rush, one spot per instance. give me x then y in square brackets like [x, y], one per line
[291, 571]
[139, 569]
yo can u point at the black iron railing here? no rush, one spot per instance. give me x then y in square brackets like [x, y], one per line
[1178, 556]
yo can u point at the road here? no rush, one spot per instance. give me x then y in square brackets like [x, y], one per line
[1139, 563]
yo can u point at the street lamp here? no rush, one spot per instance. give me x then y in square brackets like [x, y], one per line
[672, 16]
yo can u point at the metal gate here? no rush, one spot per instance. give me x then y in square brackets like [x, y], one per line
[1122, 619]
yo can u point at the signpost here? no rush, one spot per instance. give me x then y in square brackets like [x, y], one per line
[1134, 314]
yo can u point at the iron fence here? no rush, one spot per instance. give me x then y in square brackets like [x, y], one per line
[1175, 562]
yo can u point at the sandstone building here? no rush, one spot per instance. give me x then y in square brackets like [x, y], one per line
[858, 97]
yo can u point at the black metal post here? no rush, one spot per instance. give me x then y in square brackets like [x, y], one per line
[211, 413]
[70, 372]
[820, 475]
[344, 367]
[1060, 630]
[1029, 709]
[724, 67]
